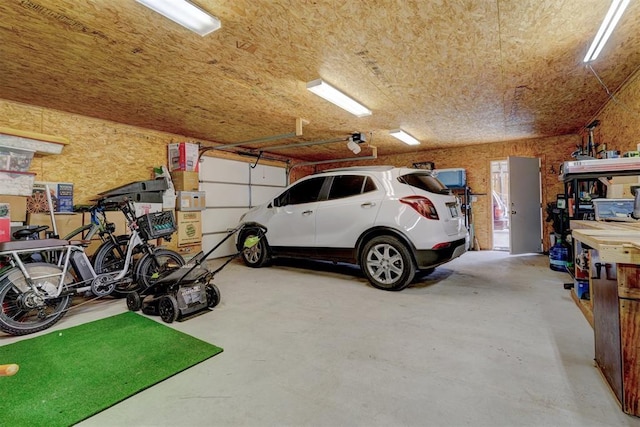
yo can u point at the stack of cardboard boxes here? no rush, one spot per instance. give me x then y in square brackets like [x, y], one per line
[183, 167]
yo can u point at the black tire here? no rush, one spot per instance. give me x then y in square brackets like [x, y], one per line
[18, 316]
[427, 271]
[134, 302]
[168, 308]
[110, 258]
[387, 263]
[151, 268]
[213, 295]
[256, 256]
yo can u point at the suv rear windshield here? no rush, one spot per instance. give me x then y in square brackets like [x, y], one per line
[424, 182]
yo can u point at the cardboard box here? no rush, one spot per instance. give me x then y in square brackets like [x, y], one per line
[190, 201]
[61, 197]
[189, 227]
[189, 251]
[183, 156]
[185, 181]
[17, 207]
[65, 222]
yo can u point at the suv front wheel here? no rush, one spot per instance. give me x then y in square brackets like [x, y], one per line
[387, 263]
[257, 255]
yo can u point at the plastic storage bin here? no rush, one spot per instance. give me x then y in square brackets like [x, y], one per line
[15, 160]
[16, 183]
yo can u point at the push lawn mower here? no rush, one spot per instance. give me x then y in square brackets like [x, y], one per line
[187, 290]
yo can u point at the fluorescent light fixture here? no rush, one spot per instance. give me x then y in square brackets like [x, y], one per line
[186, 14]
[610, 21]
[404, 137]
[331, 94]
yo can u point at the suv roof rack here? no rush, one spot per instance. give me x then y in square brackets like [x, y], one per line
[361, 168]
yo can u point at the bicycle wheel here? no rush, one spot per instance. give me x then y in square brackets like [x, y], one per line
[152, 267]
[25, 311]
[111, 258]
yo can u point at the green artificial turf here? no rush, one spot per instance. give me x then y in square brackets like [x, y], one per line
[66, 376]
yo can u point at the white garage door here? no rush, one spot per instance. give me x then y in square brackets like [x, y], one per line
[232, 187]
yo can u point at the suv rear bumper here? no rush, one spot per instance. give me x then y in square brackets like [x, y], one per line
[431, 258]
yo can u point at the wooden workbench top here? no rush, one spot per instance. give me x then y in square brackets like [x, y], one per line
[604, 225]
[616, 241]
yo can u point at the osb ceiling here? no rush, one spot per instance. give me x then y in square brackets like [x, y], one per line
[451, 73]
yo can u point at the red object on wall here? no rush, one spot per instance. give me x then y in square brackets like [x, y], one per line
[5, 229]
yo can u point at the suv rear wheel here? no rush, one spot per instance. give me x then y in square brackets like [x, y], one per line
[387, 263]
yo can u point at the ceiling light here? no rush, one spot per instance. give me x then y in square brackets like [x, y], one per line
[404, 137]
[186, 14]
[610, 21]
[333, 95]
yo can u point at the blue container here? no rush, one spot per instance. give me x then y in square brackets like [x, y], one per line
[559, 257]
[582, 288]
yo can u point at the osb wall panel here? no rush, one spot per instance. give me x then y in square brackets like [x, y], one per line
[477, 159]
[21, 116]
[101, 155]
[619, 125]
[448, 72]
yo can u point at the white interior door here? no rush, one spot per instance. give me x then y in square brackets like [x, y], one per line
[525, 213]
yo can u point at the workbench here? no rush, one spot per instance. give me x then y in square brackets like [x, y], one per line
[615, 300]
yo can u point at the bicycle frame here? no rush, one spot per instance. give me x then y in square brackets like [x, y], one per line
[71, 256]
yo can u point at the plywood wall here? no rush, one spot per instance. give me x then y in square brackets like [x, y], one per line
[620, 119]
[101, 155]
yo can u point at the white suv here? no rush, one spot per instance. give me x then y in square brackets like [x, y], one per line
[390, 221]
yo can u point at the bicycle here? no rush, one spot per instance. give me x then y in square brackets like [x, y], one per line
[35, 295]
[151, 263]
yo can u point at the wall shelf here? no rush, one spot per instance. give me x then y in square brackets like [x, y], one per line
[39, 143]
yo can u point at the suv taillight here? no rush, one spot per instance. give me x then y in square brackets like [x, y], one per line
[422, 205]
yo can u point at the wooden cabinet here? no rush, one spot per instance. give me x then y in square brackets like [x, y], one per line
[629, 311]
[615, 292]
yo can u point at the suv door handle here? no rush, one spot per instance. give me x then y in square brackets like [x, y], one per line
[368, 204]
[307, 213]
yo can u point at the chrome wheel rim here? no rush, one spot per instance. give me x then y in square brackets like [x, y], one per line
[385, 263]
[253, 253]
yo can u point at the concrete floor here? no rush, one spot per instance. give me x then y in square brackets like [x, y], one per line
[486, 340]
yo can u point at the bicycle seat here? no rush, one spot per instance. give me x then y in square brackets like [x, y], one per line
[16, 245]
[25, 233]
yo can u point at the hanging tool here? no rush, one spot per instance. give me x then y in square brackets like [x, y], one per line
[591, 145]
